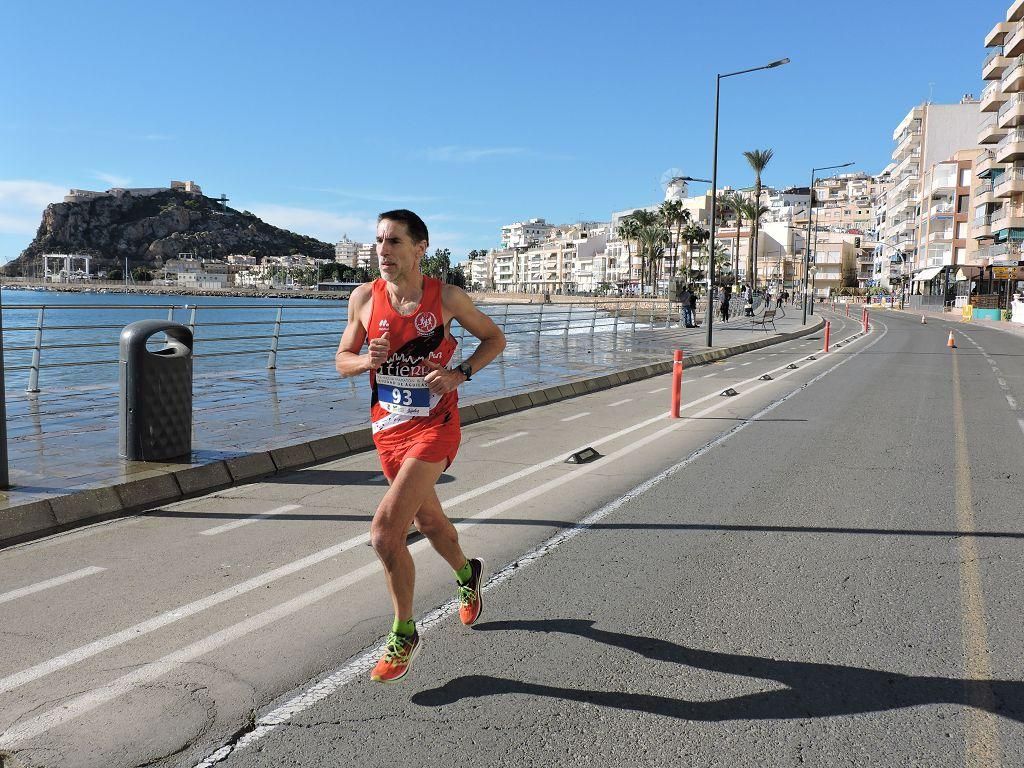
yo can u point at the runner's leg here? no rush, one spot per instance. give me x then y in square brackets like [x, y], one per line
[432, 522]
[412, 486]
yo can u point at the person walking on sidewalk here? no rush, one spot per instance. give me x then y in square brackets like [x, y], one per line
[684, 304]
[405, 319]
[724, 306]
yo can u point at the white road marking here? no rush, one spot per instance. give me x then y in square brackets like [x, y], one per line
[360, 664]
[1020, 423]
[709, 376]
[1011, 401]
[763, 357]
[14, 594]
[239, 523]
[1002, 382]
[620, 402]
[169, 617]
[747, 363]
[504, 439]
[577, 416]
[731, 368]
[656, 391]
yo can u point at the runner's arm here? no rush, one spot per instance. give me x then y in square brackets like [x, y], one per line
[462, 308]
[347, 360]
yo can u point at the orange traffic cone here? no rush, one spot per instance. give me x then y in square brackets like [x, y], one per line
[923, 321]
[949, 342]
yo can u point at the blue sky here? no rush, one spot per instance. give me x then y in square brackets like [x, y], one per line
[318, 115]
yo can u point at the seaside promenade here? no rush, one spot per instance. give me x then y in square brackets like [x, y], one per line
[63, 445]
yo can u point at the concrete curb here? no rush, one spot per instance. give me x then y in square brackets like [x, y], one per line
[36, 519]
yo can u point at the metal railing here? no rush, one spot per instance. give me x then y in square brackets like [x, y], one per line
[60, 338]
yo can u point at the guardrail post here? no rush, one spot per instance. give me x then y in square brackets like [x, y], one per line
[504, 322]
[272, 360]
[652, 315]
[192, 320]
[593, 318]
[568, 322]
[615, 326]
[170, 314]
[33, 376]
[633, 329]
[540, 322]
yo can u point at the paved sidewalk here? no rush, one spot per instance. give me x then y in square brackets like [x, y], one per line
[256, 422]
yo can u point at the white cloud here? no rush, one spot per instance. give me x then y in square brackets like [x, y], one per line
[112, 179]
[324, 225]
[22, 202]
[458, 154]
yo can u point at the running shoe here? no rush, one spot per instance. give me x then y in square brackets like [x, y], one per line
[471, 599]
[399, 651]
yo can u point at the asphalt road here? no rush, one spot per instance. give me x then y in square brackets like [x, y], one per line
[822, 570]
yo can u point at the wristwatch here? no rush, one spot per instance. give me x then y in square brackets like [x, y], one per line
[465, 370]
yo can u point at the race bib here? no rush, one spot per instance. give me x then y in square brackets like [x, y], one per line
[407, 395]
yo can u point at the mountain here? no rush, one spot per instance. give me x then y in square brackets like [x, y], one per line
[148, 229]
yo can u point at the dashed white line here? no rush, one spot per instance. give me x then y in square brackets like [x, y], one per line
[708, 376]
[1020, 423]
[620, 402]
[577, 416]
[1002, 382]
[747, 363]
[504, 439]
[14, 594]
[656, 391]
[731, 368]
[239, 523]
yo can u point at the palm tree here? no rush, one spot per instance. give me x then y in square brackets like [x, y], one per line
[643, 219]
[627, 231]
[653, 238]
[738, 205]
[674, 216]
[693, 235]
[758, 159]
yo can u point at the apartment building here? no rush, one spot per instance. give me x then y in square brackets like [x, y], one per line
[346, 251]
[523, 234]
[999, 171]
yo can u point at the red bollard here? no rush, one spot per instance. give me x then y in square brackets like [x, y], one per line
[677, 381]
[828, 328]
[847, 309]
[865, 321]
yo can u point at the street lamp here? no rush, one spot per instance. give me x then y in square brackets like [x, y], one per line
[808, 245]
[714, 189]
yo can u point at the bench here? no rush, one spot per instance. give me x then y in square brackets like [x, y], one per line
[767, 318]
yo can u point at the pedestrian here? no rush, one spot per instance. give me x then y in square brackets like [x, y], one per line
[686, 311]
[405, 317]
[693, 308]
[783, 295]
[748, 301]
[724, 306]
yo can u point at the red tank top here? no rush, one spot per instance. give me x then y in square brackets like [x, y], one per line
[400, 401]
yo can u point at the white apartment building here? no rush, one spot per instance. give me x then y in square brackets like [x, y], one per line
[523, 234]
[366, 257]
[999, 171]
[346, 251]
[928, 134]
[480, 272]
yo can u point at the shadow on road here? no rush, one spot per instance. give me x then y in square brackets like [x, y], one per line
[812, 690]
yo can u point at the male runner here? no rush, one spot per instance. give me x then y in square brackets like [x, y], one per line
[406, 318]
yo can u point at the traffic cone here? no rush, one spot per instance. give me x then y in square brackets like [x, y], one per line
[923, 321]
[949, 342]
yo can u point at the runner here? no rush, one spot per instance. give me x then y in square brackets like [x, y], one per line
[406, 318]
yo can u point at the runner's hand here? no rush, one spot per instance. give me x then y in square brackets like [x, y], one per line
[441, 380]
[379, 350]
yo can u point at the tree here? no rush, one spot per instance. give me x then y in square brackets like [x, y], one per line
[674, 216]
[721, 256]
[758, 159]
[439, 264]
[643, 219]
[627, 231]
[141, 274]
[693, 235]
[652, 238]
[737, 205]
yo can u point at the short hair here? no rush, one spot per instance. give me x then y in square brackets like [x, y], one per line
[413, 223]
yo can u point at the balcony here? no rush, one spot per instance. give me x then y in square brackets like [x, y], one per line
[1010, 147]
[997, 34]
[909, 140]
[1011, 114]
[1007, 218]
[1016, 12]
[942, 209]
[945, 234]
[995, 63]
[981, 227]
[990, 132]
[1013, 75]
[983, 193]
[1009, 183]
[985, 164]
[992, 97]
[942, 182]
[1013, 43]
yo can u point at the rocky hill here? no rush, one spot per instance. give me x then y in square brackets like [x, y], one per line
[147, 230]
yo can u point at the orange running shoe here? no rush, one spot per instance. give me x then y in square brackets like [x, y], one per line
[471, 599]
[399, 651]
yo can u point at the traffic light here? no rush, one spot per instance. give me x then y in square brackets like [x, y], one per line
[856, 242]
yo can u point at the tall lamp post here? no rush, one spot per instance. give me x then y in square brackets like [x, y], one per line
[708, 314]
[808, 259]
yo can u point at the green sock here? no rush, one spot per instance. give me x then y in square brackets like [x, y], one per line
[464, 574]
[404, 628]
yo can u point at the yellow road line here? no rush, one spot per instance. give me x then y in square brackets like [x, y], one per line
[982, 747]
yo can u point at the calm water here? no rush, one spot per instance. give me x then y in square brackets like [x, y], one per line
[81, 332]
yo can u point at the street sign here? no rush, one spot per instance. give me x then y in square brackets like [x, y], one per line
[1003, 273]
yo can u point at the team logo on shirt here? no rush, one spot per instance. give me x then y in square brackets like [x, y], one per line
[383, 325]
[425, 322]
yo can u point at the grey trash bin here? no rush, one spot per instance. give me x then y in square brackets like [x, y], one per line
[156, 392]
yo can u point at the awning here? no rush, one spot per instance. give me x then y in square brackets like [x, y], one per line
[927, 274]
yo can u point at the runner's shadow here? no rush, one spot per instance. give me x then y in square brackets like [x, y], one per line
[811, 689]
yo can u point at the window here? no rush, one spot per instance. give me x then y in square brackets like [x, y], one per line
[961, 203]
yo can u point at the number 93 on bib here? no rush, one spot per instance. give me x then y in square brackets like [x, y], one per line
[407, 395]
